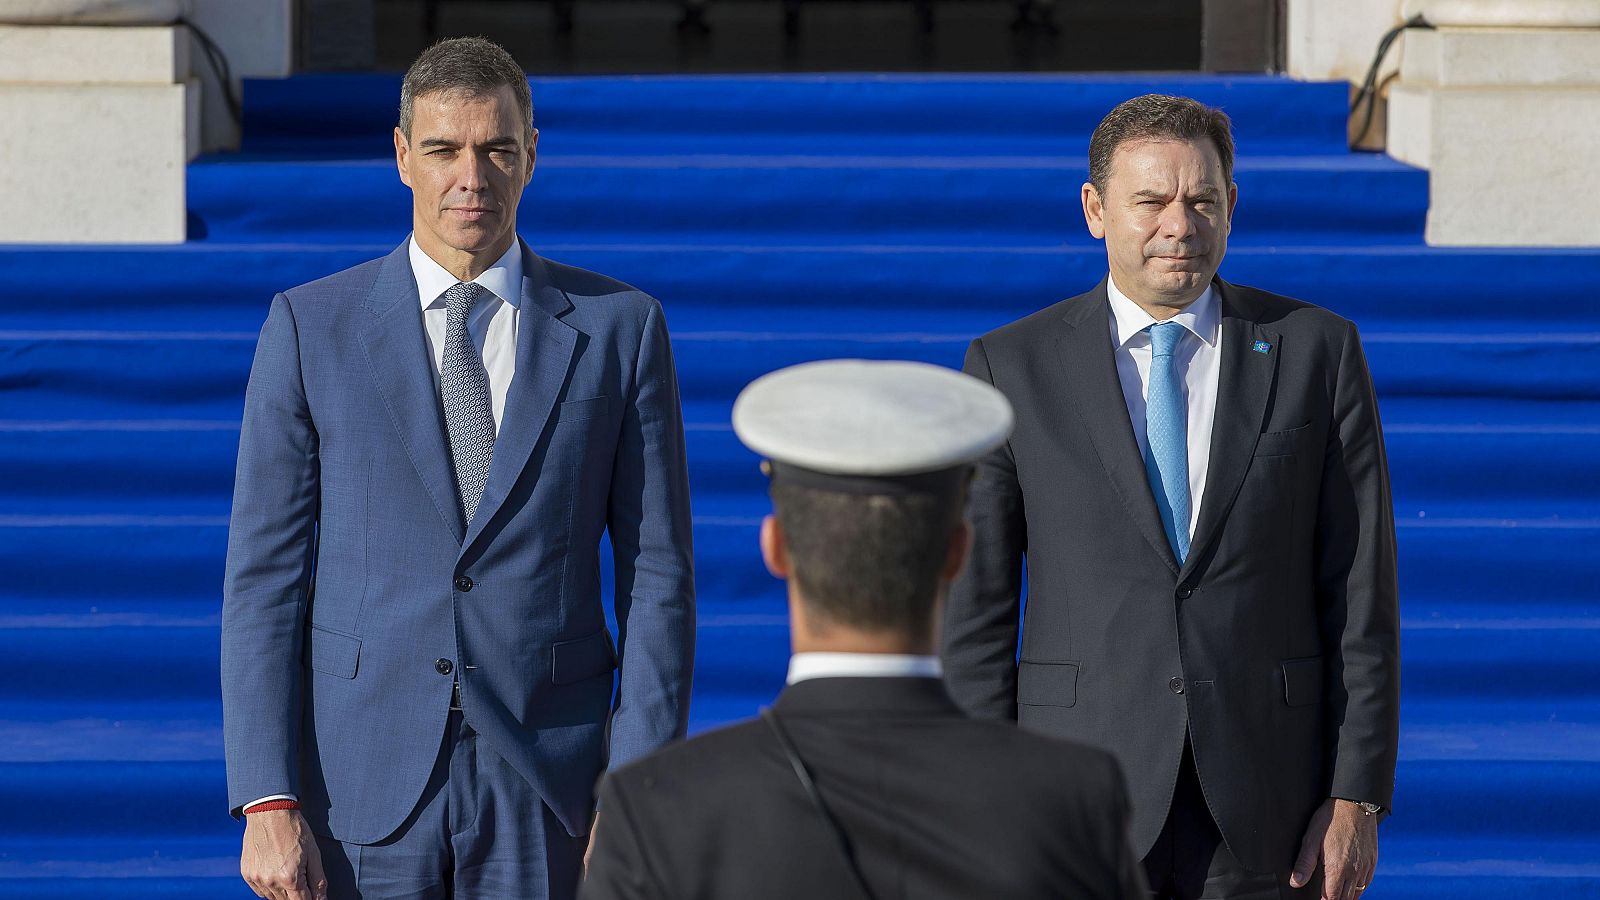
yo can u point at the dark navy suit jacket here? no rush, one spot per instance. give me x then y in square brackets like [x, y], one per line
[353, 584]
[1272, 650]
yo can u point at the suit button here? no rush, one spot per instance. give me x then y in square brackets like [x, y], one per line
[1185, 593]
[463, 583]
[443, 666]
[1176, 684]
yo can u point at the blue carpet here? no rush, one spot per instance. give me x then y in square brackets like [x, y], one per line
[783, 219]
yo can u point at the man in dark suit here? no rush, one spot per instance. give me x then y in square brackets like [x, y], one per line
[864, 779]
[1198, 484]
[419, 687]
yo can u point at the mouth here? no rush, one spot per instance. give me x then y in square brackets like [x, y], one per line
[469, 213]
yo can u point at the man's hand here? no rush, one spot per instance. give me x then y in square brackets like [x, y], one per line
[280, 859]
[1345, 838]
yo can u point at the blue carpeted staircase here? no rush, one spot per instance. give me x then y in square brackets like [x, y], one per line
[782, 219]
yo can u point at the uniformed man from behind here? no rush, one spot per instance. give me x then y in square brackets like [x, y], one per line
[864, 780]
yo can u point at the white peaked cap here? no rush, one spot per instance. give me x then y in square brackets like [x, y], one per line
[872, 419]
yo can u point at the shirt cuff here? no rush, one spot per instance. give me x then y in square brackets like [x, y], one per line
[246, 807]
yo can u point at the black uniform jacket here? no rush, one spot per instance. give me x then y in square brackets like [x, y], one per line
[934, 804]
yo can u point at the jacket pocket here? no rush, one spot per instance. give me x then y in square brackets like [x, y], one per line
[586, 657]
[1302, 681]
[1047, 684]
[1281, 443]
[578, 410]
[331, 652]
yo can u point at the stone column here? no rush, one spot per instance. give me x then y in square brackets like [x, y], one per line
[110, 78]
[1501, 103]
[1507, 13]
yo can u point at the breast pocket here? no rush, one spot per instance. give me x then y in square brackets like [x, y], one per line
[581, 410]
[1283, 443]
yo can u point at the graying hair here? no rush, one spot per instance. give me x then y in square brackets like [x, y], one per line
[470, 66]
[1159, 117]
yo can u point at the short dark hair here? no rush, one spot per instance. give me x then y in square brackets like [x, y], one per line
[1158, 117]
[471, 66]
[868, 561]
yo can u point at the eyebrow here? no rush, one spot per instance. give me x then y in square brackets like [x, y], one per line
[498, 141]
[1205, 193]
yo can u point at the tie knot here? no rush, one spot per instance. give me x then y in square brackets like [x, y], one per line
[1164, 337]
[460, 297]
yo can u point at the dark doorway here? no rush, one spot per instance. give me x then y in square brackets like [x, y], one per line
[639, 36]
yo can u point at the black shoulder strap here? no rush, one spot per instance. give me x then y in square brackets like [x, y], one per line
[804, 775]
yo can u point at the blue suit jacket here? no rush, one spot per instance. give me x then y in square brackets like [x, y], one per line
[350, 574]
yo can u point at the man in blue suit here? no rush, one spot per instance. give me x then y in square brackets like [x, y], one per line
[419, 687]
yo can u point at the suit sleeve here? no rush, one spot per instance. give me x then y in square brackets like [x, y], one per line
[618, 869]
[1357, 589]
[983, 611]
[651, 536]
[271, 541]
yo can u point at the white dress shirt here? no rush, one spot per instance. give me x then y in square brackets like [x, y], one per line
[1197, 359]
[803, 666]
[492, 323]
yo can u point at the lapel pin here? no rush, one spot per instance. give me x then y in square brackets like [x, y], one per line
[1262, 347]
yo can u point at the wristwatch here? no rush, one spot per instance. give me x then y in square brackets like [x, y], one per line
[1370, 809]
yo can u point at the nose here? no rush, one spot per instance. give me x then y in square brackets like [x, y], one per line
[1178, 221]
[469, 172]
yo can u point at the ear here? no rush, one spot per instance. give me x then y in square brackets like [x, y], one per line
[533, 154]
[773, 550]
[1094, 212]
[1233, 201]
[402, 156]
[956, 553]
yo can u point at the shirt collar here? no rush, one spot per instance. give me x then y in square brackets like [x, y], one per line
[503, 279]
[804, 666]
[1201, 317]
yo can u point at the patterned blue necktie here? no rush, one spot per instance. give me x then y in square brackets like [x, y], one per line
[1166, 462]
[468, 416]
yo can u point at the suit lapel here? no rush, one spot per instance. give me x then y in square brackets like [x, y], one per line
[397, 353]
[1244, 388]
[1094, 392]
[545, 347]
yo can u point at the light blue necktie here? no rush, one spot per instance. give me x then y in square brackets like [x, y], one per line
[468, 415]
[1166, 461]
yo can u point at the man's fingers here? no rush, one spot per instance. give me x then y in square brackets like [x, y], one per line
[299, 890]
[1335, 881]
[316, 878]
[1306, 863]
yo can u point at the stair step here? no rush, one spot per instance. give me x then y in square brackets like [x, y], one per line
[1484, 868]
[1046, 115]
[800, 199]
[202, 375]
[837, 288]
[186, 800]
[1450, 651]
[207, 870]
[85, 559]
[86, 466]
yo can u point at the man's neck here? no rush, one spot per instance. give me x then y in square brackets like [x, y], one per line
[1161, 308]
[843, 641]
[465, 265]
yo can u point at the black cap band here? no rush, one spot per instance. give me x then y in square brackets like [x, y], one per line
[940, 483]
